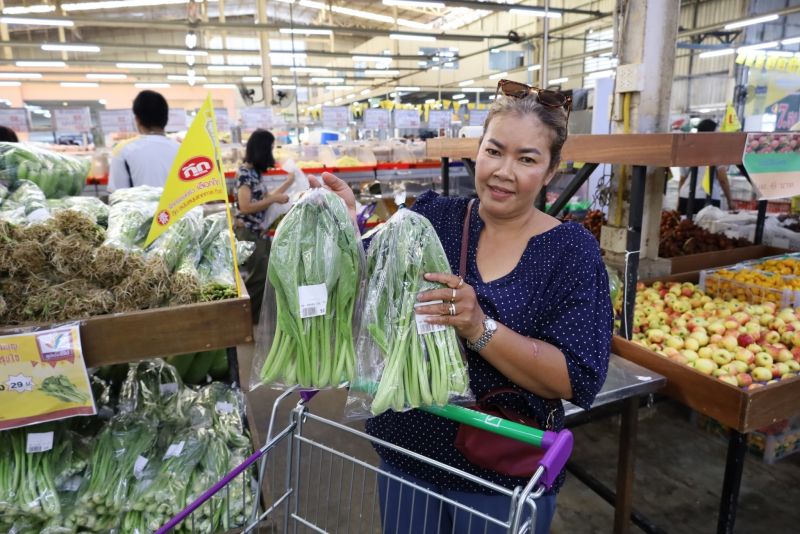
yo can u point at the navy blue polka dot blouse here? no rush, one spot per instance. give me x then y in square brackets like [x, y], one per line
[557, 293]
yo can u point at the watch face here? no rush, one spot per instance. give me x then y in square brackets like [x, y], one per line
[491, 325]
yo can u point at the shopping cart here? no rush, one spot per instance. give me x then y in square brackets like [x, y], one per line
[300, 483]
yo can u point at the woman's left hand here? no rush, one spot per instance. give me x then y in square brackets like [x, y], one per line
[458, 308]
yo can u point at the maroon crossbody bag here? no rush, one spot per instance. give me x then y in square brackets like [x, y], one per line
[487, 449]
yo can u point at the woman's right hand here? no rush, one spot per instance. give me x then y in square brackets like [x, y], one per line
[338, 186]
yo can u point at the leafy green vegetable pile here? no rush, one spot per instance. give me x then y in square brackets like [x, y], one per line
[57, 175]
[401, 364]
[315, 247]
[154, 448]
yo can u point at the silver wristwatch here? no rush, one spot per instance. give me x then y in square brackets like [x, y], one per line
[489, 328]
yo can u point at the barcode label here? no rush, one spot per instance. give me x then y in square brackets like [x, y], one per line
[174, 450]
[138, 466]
[224, 407]
[313, 300]
[168, 388]
[427, 328]
[39, 442]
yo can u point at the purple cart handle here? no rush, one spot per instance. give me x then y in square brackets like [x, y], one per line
[558, 447]
[308, 394]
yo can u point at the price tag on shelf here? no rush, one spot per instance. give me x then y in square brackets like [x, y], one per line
[439, 119]
[313, 300]
[177, 120]
[72, 120]
[255, 118]
[477, 117]
[138, 467]
[43, 377]
[223, 120]
[174, 450]
[335, 117]
[39, 442]
[406, 118]
[376, 119]
[15, 118]
[116, 120]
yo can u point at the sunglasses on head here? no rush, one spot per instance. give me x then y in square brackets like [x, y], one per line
[550, 99]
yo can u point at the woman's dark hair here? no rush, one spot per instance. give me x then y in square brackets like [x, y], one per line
[151, 109]
[8, 135]
[555, 119]
[259, 150]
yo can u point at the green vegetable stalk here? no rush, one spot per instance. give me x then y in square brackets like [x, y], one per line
[401, 367]
[60, 387]
[315, 244]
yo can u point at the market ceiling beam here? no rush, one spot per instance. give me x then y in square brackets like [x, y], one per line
[720, 25]
[487, 6]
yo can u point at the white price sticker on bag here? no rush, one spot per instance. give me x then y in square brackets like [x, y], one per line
[174, 450]
[138, 467]
[313, 300]
[39, 442]
[424, 327]
[169, 388]
[224, 407]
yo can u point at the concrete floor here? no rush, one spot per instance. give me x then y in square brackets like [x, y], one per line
[678, 477]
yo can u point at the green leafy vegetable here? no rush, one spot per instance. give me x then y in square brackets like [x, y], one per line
[60, 387]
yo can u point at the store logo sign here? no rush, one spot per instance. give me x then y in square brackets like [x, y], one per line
[195, 168]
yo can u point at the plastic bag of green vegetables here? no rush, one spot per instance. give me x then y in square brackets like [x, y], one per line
[56, 174]
[181, 239]
[152, 388]
[140, 193]
[128, 224]
[217, 276]
[28, 195]
[403, 362]
[91, 206]
[315, 272]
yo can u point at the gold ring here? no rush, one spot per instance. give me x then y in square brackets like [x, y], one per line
[454, 296]
[452, 309]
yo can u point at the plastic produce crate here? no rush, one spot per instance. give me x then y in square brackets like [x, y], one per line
[770, 444]
[720, 283]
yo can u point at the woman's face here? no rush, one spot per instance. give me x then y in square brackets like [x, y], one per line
[512, 165]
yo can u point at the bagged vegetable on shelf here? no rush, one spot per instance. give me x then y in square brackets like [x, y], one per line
[402, 361]
[28, 195]
[91, 206]
[316, 266]
[152, 387]
[57, 175]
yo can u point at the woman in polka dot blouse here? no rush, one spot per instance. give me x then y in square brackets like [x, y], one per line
[534, 305]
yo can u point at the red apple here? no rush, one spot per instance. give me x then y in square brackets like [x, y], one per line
[745, 339]
[744, 379]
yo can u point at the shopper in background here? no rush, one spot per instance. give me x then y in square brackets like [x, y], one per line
[147, 159]
[533, 308]
[252, 200]
[7, 135]
[700, 196]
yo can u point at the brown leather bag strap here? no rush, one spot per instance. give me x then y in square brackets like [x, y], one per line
[462, 265]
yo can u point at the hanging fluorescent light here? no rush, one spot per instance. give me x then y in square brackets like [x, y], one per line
[10, 84]
[219, 86]
[464, 101]
[191, 39]
[59, 64]
[105, 76]
[558, 81]
[80, 84]
[533, 12]
[70, 48]
[435, 67]
[285, 56]
[716, 53]
[473, 89]
[190, 61]
[600, 74]
[94, 6]
[351, 95]
[498, 75]
[750, 22]
[184, 78]
[305, 31]
[181, 52]
[228, 68]
[337, 100]
[410, 89]
[365, 92]
[326, 79]
[151, 85]
[339, 88]
[140, 66]
[761, 46]
[411, 3]
[311, 70]
[534, 67]
[327, 103]
[791, 41]
[413, 24]
[459, 96]
[252, 79]
[381, 73]
[465, 83]
[379, 59]
[409, 37]
[21, 75]
[780, 53]
[36, 22]
[284, 86]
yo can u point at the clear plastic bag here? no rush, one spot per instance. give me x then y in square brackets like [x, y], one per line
[316, 266]
[402, 361]
[29, 196]
[179, 240]
[91, 206]
[57, 175]
[128, 223]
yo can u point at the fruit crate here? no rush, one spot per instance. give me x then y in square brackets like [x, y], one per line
[792, 261]
[771, 443]
[714, 282]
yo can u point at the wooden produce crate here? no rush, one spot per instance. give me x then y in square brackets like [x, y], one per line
[708, 260]
[158, 332]
[734, 407]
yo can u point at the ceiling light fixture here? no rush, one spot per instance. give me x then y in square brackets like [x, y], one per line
[36, 22]
[181, 52]
[326, 79]
[750, 22]
[465, 83]
[497, 75]
[464, 101]
[339, 88]
[151, 85]
[10, 84]
[351, 95]
[58, 64]
[410, 37]
[310, 70]
[252, 79]
[473, 89]
[791, 41]
[184, 78]
[365, 92]
[337, 100]
[459, 96]
[228, 68]
[411, 3]
[407, 88]
[140, 66]
[105, 76]
[284, 86]
[191, 40]
[533, 12]
[21, 75]
[80, 84]
[381, 73]
[558, 81]
[760, 46]
[534, 67]
[70, 48]
[716, 53]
